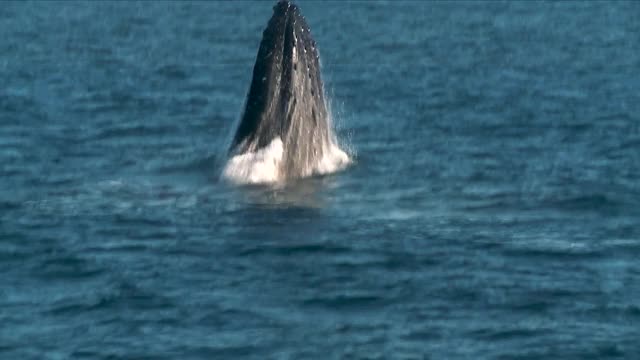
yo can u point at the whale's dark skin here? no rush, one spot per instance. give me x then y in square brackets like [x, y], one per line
[286, 97]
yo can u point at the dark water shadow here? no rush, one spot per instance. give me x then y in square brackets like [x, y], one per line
[308, 194]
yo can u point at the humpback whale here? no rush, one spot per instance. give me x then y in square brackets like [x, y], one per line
[285, 130]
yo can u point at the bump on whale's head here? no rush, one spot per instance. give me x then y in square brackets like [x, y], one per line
[283, 6]
[286, 17]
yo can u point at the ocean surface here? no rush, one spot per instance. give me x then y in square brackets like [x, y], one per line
[492, 209]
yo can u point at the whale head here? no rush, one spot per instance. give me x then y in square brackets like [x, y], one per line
[286, 91]
[285, 108]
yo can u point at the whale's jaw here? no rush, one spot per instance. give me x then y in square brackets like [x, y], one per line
[286, 97]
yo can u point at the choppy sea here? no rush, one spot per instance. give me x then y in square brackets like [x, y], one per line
[492, 209]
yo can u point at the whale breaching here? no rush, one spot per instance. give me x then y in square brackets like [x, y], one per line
[285, 130]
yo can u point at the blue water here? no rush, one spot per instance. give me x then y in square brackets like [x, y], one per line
[492, 210]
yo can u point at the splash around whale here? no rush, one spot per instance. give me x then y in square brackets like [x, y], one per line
[286, 129]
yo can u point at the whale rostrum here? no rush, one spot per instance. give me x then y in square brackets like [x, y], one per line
[286, 98]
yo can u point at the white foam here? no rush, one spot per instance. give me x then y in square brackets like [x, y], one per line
[333, 159]
[262, 166]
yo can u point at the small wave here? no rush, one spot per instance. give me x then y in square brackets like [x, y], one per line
[287, 250]
[357, 301]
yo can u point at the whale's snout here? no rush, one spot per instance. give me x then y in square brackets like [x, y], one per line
[286, 97]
